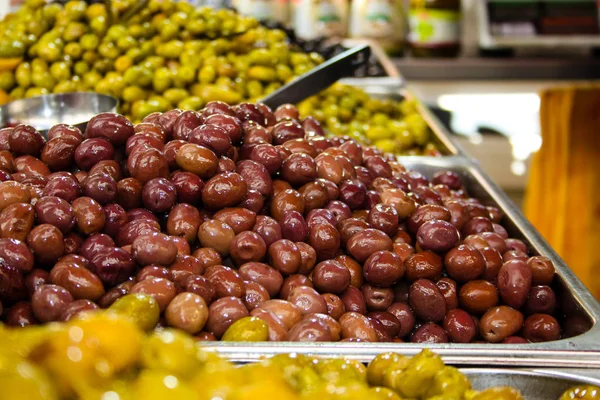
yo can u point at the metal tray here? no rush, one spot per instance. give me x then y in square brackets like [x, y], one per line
[534, 385]
[581, 348]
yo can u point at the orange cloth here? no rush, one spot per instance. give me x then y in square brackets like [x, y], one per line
[563, 193]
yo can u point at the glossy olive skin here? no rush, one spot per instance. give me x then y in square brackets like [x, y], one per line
[331, 277]
[500, 322]
[429, 333]
[478, 296]
[267, 276]
[459, 326]
[514, 283]
[224, 190]
[364, 243]
[464, 263]
[541, 328]
[427, 301]
[383, 268]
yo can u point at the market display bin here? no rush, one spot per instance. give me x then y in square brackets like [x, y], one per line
[580, 312]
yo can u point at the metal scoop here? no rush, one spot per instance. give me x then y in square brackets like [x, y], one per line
[319, 78]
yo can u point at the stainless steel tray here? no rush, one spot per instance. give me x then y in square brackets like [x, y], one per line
[534, 385]
[582, 311]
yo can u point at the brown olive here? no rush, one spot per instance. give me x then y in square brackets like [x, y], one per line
[226, 281]
[77, 307]
[46, 244]
[425, 264]
[21, 315]
[207, 257]
[16, 221]
[383, 268]
[377, 298]
[269, 277]
[310, 329]
[428, 212]
[355, 325]
[542, 270]
[239, 219]
[464, 263]
[285, 256]
[354, 300]
[427, 301]
[197, 159]
[514, 283]
[493, 262]
[268, 229]
[216, 234]
[277, 329]
[541, 300]
[13, 192]
[541, 328]
[89, 215]
[285, 200]
[364, 243]
[289, 314]
[331, 277]
[335, 306]
[448, 288]
[78, 280]
[161, 289]
[478, 296]
[49, 301]
[256, 176]
[188, 312]
[356, 270]
[247, 246]
[224, 312]
[308, 300]
[500, 322]
[308, 257]
[405, 315]
[156, 248]
[429, 333]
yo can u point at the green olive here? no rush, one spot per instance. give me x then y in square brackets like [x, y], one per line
[247, 329]
[383, 393]
[172, 351]
[418, 375]
[60, 71]
[383, 362]
[21, 379]
[140, 308]
[175, 95]
[449, 382]
[499, 393]
[158, 385]
[261, 73]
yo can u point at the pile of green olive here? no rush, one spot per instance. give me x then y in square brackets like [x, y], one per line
[392, 126]
[107, 355]
[170, 54]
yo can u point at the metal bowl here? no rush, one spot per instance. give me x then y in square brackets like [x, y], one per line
[44, 112]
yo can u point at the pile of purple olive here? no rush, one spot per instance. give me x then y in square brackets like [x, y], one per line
[241, 211]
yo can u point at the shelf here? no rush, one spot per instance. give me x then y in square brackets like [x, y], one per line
[499, 69]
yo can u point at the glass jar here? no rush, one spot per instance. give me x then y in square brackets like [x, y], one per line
[381, 21]
[434, 28]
